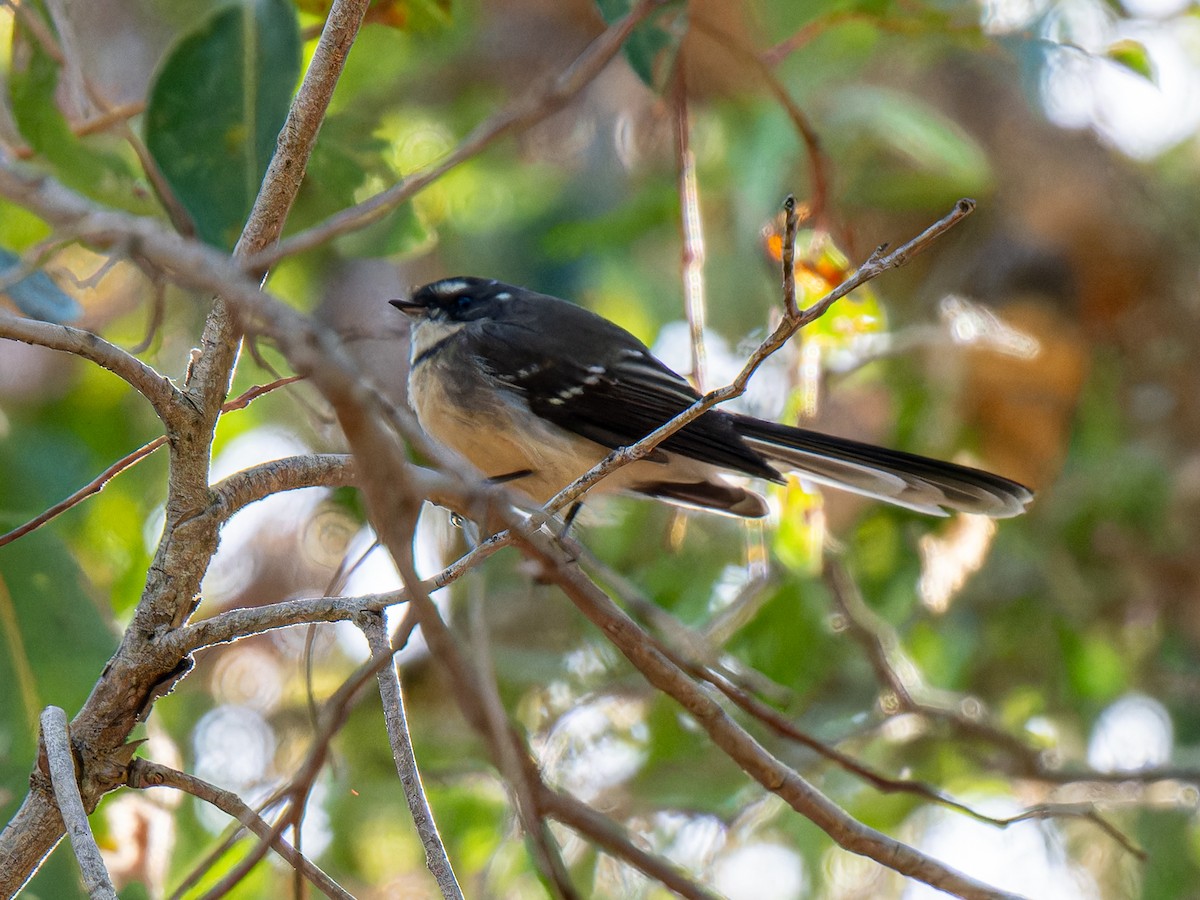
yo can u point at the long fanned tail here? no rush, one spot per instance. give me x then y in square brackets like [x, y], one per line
[905, 479]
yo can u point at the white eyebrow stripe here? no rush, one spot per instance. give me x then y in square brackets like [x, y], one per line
[449, 286]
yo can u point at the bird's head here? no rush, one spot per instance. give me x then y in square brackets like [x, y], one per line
[460, 299]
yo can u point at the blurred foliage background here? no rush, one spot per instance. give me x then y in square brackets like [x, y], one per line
[1052, 337]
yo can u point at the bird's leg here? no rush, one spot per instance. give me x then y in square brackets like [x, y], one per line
[569, 518]
[510, 476]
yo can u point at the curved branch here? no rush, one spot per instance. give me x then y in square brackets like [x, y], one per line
[145, 774]
[61, 762]
[239, 490]
[235, 624]
[525, 112]
[436, 859]
[750, 756]
[156, 388]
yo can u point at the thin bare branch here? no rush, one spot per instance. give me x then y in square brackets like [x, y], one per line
[788, 256]
[156, 388]
[436, 858]
[524, 113]
[97, 484]
[1086, 811]
[108, 118]
[92, 487]
[144, 774]
[239, 623]
[239, 490]
[61, 762]
[610, 836]
[643, 652]
[691, 227]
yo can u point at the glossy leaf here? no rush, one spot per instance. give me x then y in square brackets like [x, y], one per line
[216, 108]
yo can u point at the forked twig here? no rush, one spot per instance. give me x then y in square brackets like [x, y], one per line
[97, 484]
[145, 774]
[523, 113]
[877, 263]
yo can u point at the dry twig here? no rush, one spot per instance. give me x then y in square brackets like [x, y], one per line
[394, 717]
[144, 774]
[61, 763]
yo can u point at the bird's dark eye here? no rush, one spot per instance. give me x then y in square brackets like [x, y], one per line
[463, 302]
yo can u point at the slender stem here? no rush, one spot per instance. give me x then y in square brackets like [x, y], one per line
[436, 859]
[61, 762]
[788, 257]
[155, 387]
[878, 263]
[145, 774]
[522, 114]
[692, 228]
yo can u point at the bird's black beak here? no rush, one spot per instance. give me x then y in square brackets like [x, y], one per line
[411, 308]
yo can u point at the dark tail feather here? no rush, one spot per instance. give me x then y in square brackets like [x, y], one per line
[905, 479]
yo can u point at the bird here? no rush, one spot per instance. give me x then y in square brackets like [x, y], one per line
[534, 391]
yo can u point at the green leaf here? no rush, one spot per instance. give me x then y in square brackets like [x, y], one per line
[33, 83]
[653, 45]
[54, 644]
[351, 161]
[216, 108]
[1132, 55]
